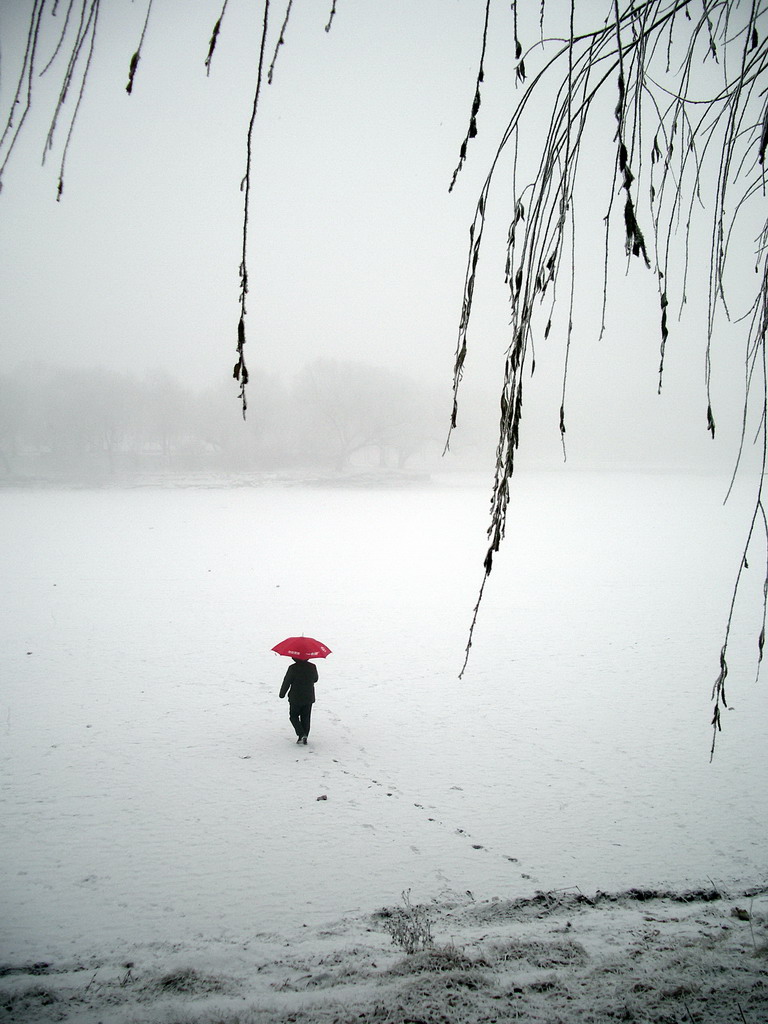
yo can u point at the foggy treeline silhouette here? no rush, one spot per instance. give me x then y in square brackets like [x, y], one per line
[93, 424]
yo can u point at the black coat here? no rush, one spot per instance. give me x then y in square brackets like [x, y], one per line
[299, 683]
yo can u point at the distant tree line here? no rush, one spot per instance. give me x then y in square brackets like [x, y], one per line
[331, 417]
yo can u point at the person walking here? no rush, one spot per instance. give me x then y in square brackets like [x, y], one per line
[299, 684]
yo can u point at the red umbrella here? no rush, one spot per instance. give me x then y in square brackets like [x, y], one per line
[302, 647]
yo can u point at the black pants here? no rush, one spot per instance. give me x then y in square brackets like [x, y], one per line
[300, 715]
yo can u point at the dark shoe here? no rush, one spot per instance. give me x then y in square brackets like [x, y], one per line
[299, 739]
[304, 740]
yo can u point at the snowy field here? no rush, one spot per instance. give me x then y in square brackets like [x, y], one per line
[170, 854]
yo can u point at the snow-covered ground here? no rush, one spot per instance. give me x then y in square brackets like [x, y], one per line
[157, 812]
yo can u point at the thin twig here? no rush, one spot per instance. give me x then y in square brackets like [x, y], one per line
[214, 38]
[137, 55]
[472, 129]
[280, 41]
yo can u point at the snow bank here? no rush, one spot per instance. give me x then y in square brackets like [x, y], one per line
[638, 956]
[165, 854]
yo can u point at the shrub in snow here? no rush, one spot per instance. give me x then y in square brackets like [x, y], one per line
[409, 926]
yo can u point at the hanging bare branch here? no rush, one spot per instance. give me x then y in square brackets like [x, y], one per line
[92, 31]
[240, 372]
[691, 132]
[472, 129]
[24, 88]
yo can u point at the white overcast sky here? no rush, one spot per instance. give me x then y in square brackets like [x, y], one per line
[357, 248]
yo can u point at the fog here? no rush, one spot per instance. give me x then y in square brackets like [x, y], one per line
[156, 544]
[357, 249]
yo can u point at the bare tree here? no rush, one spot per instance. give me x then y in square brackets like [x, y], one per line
[673, 90]
[338, 409]
[689, 132]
